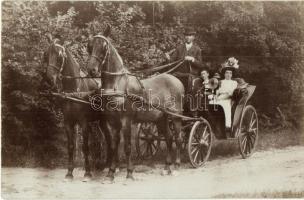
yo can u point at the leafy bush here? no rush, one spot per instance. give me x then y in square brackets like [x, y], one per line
[266, 38]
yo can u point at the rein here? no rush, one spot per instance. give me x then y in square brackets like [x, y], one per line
[124, 71]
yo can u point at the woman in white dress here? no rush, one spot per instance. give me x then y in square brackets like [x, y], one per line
[225, 91]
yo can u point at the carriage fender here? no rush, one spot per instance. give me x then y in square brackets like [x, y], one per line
[240, 105]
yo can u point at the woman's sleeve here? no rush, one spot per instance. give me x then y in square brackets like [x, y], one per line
[233, 86]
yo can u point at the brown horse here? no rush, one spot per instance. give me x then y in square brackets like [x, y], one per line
[160, 91]
[60, 64]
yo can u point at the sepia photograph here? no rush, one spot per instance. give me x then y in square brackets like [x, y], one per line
[152, 99]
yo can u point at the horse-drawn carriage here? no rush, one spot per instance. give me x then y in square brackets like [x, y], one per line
[195, 133]
[199, 132]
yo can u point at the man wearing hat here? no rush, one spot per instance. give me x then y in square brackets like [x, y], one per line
[192, 66]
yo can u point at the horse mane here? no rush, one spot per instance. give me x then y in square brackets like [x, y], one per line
[78, 71]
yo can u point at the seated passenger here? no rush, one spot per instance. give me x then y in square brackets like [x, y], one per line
[225, 91]
[205, 78]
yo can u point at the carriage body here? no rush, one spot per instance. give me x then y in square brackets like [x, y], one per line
[199, 132]
[216, 117]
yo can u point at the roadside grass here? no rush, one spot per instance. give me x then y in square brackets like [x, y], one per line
[265, 194]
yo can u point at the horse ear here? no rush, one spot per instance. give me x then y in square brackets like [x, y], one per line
[49, 37]
[107, 31]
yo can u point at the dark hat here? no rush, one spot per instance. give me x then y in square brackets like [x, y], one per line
[189, 31]
[228, 68]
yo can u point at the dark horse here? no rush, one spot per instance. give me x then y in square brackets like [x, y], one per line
[163, 90]
[61, 64]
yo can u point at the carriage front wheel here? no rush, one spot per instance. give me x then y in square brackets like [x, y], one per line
[199, 143]
[147, 141]
[248, 131]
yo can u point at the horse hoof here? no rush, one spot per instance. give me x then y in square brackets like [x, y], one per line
[69, 177]
[130, 177]
[174, 173]
[165, 172]
[87, 178]
[108, 180]
[88, 175]
[129, 180]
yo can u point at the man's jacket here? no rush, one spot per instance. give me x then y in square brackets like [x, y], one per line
[188, 67]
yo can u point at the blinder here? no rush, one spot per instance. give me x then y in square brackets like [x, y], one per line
[89, 47]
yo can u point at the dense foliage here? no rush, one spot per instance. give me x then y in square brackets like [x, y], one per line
[266, 37]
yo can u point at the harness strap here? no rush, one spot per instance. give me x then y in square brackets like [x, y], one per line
[155, 69]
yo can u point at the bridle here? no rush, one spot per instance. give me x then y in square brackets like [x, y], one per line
[63, 55]
[106, 57]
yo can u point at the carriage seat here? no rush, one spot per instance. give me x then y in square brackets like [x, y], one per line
[239, 96]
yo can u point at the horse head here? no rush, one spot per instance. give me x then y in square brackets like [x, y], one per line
[102, 55]
[55, 58]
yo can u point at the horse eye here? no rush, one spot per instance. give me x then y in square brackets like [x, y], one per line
[59, 59]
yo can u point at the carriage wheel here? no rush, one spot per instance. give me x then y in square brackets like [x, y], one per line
[147, 141]
[199, 144]
[248, 131]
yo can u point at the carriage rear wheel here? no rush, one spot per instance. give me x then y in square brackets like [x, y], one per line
[199, 143]
[248, 131]
[147, 141]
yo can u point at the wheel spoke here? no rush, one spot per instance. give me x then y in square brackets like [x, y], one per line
[251, 118]
[252, 129]
[144, 149]
[155, 148]
[195, 157]
[248, 145]
[253, 135]
[197, 137]
[204, 131]
[244, 143]
[205, 137]
[194, 149]
[252, 123]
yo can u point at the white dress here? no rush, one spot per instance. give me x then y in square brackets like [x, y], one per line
[227, 87]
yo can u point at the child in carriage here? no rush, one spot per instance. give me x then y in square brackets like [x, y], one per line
[226, 89]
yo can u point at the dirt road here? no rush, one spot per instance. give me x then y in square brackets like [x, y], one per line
[264, 172]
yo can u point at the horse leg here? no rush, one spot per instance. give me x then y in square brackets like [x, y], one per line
[163, 129]
[178, 140]
[106, 132]
[85, 148]
[126, 131]
[69, 129]
[115, 138]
